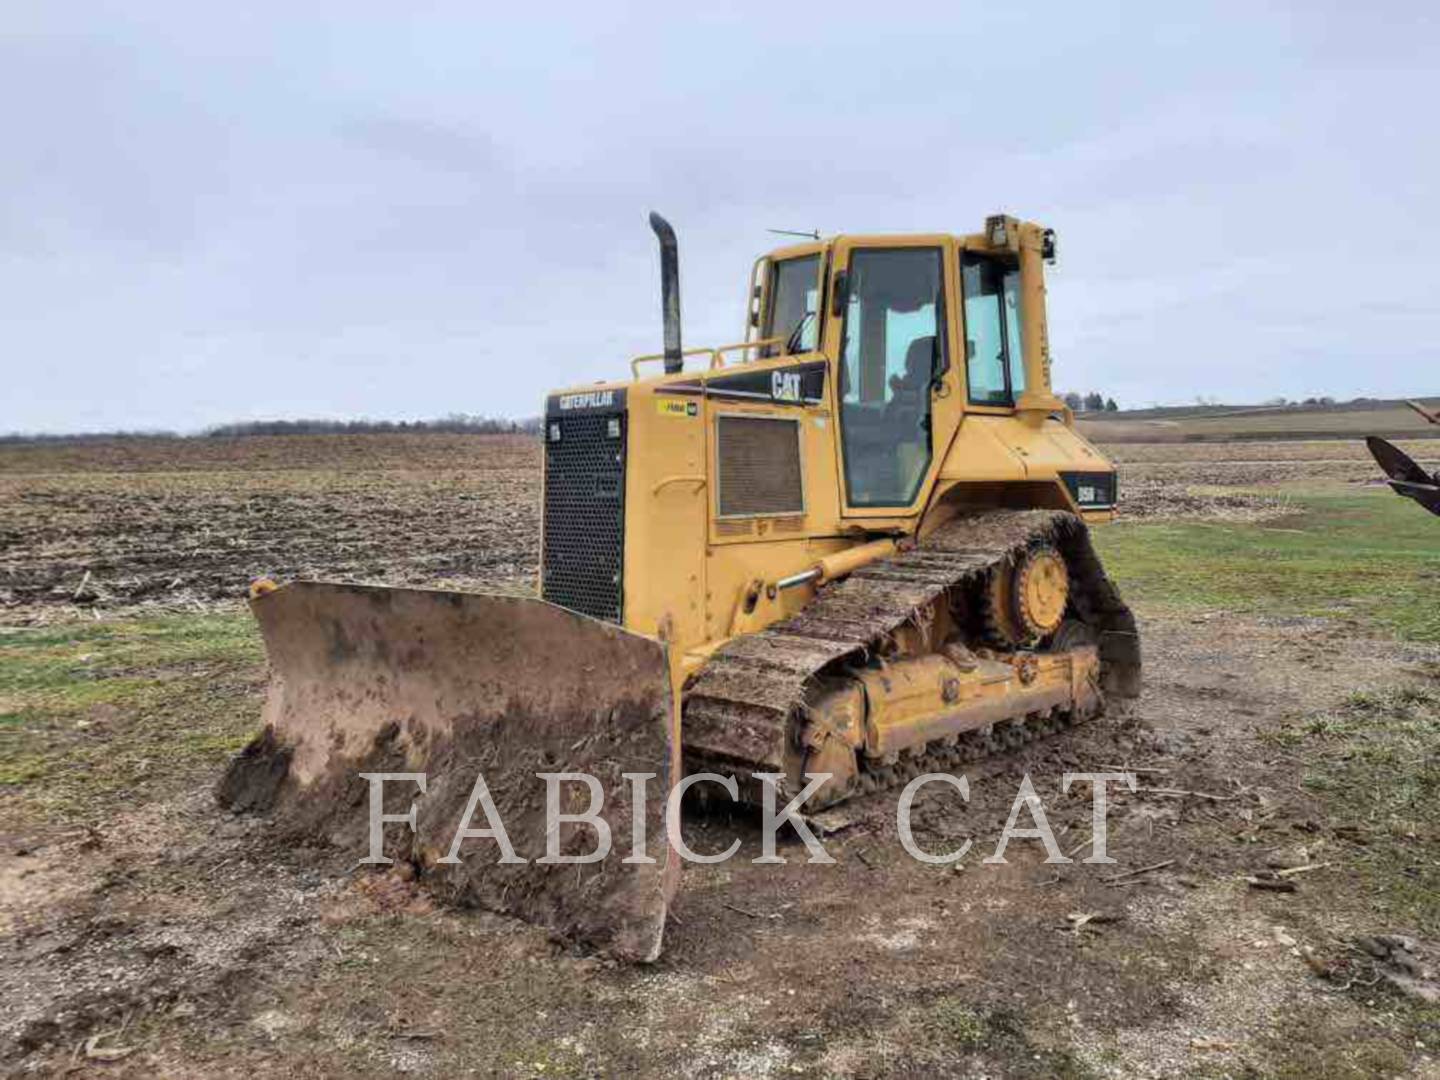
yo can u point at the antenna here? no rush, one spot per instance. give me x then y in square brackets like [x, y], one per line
[813, 234]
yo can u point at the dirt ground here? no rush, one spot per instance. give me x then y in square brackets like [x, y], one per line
[164, 524]
[165, 938]
[192, 947]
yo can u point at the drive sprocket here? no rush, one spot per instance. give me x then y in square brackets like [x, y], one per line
[1041, 591]
[1025, 599]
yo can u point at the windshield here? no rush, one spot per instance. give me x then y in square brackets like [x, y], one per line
[794, 294]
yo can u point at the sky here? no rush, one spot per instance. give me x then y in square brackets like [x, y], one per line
[403, 211]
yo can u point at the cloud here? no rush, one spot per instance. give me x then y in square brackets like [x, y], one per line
[265, 211]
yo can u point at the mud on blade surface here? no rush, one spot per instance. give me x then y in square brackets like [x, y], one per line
[367, 679]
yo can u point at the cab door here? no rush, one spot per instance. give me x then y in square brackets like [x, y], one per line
[889, 327]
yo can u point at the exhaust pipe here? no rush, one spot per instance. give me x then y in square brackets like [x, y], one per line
[669, 291]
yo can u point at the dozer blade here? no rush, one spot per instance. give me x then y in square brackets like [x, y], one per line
[1406, 477]
[367, 679]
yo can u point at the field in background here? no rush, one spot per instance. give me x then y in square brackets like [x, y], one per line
[187, 524]
[164, 525]
[1246, 481]
[1229, 423]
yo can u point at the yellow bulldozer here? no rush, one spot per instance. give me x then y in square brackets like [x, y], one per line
[847, 550]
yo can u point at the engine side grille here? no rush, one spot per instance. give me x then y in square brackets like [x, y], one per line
[759, 464]
[583, 551]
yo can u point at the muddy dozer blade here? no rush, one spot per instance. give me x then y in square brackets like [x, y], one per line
[1406, 477]
[457, 686]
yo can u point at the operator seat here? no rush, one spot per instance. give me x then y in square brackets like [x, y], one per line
[907, 416]
[909, 392]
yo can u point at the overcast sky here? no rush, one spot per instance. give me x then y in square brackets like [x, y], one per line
[406, 210]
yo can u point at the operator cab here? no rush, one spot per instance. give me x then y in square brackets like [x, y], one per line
[899, 313]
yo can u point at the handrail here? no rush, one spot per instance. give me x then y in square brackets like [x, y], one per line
[743, 346]
[716, 355]
[635, 364]
[667, 481]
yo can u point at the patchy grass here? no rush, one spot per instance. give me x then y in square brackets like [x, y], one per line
[91, 713]
[1358, 1047]
[953, 1035]
[1375, 763]
[955, 1023]
[1365, 555]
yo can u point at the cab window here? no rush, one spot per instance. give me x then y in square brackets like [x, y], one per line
[994, 355]
[794, 301]
[892, 350]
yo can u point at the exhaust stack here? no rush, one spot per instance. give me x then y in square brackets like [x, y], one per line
[669, 291]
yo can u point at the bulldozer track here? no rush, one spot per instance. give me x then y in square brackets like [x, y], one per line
[745, 711]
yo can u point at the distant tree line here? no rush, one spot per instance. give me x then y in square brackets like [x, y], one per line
[1091, 402]
[454, 424]
[1280, 402]
[83, 436]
